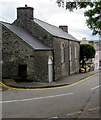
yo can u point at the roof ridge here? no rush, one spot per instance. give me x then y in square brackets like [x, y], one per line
[51, 25]
[48, 23]
[54, 30]
[27, 37]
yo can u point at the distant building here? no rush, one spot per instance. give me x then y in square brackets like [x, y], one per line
[94, 61]
[37, 51]
[84, 41]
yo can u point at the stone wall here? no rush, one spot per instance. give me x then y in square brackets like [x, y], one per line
[41, 65]
[39, 59]
[36, 30]
[0, 51]
[68, 66]
[15, 53]
[74, 62]
[60, 69]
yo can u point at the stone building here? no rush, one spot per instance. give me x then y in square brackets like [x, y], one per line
[37, 51]
[94, 62]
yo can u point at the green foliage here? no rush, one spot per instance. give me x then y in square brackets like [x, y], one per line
[94, 18]
[93, 13]
[87, 52]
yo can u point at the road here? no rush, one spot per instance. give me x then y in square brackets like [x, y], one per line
[80, 100]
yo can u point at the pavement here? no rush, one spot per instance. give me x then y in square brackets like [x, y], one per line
[61, 82]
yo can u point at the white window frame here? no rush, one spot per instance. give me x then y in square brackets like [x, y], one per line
[70, 52]
[62, 52]
[75, 52]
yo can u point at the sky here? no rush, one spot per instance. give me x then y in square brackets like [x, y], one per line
[48, 11]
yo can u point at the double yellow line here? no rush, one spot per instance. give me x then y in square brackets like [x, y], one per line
[8, 87]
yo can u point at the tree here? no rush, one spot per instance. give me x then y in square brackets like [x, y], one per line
[93, 13]
[87, 52]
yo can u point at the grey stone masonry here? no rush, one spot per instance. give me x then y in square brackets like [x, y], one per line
[15, 53]
[22, 62]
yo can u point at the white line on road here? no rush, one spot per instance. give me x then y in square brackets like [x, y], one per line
[53, 117]
[36, 98]
[94, 109]
[75, 113]
[79, 112]
[95, 87]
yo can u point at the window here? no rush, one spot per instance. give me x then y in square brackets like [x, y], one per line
[70, 52]
[75, 52]
[62, 52]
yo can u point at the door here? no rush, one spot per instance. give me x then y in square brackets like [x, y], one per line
[50, 69]
[22, 71]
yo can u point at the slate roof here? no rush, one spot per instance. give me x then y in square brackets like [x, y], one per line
[55, 31]
[26, 37]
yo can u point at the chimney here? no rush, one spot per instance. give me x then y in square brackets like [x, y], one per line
[64, 28]
[25, 12]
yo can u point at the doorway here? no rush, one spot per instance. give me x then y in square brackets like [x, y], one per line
[50, 69]
[22, 71]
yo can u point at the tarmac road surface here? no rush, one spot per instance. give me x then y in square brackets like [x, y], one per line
[80, 100]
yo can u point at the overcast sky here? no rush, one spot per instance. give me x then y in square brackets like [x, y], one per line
[48, 11]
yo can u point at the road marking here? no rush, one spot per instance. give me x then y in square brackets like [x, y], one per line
[48, 88]
[93, 109]
[36, 98]
[95, 87]
[53, 117]
[78, 112]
